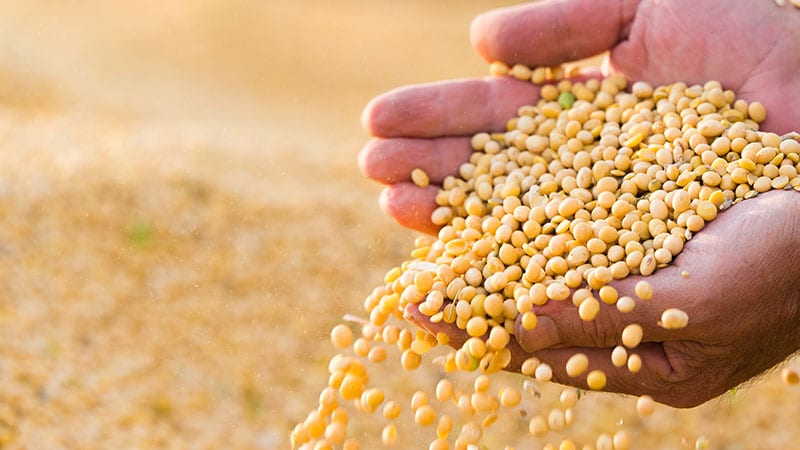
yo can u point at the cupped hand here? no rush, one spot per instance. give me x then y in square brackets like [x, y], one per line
[739, 292]
[737, 281]
[752, 48]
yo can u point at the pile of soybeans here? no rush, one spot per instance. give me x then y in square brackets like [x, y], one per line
[591, 184]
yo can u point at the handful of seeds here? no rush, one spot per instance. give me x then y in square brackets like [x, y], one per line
[591, 184]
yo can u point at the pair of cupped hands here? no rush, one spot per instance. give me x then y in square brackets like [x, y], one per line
[742, 292]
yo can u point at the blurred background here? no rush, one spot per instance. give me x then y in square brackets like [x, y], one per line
[182, 222]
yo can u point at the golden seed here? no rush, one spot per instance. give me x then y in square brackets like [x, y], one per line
[780, 182]
[588, 309]
[361, 346]
[642, 89]
[482, 383]
[327, 398]
[475, 346]
[543, 373]
[602, 275]
[673, 243]
[441, 215]
[389, 435]
[632, 335]
[756, 111]
[567, 444]
[695, 223]
[471, 433]
[537, 426]
[510, 397]
[529, 320]
[707, 210]
[608, 295]
[643, 290]
[520, 72]
[483, 402]
[625, 304]
[420, 178]
[351, 444]
[489, 420]
[341, 336]
[621, 440]
[604, 442]
[480, 140]
[555, 420]
[648, 265]
[634, 363]
[596, 380]
[498, 338]
[634, 140]
[762, 184]
[710, 127]
[410, 360]
[439, 444]
[790, 376]
[444, 390]
[421, 346]
[372, 398]
[619, 356]
[424, 415]
[529, 366]
[577, 364]
[498, 69]
[465, 407]
[790, 146]
[377, 354]
[351, 386]
[477, 326]
[557, 291]
[645, 405]
[680, 201]
[419, 398]
[444, 426]
[568, 398]
[673, 318]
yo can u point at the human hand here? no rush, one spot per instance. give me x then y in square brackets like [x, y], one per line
[752, 48]
[428, 127]
[741, 295]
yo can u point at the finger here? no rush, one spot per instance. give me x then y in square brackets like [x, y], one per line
[559, 325]
[392, 160]
[686, 283]
[549, 33]
[457, 336]
[451, 108]
[410, 205]
[653, 377]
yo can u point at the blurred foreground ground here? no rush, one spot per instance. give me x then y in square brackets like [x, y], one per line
[182, 221]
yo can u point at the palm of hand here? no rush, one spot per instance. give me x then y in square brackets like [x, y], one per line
[740, 295]
[657, 49]
[752, 50]
[735, 279]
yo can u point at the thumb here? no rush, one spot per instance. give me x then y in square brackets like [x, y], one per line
[548, 33]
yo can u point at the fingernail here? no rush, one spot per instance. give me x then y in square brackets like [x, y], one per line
[544, 335]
